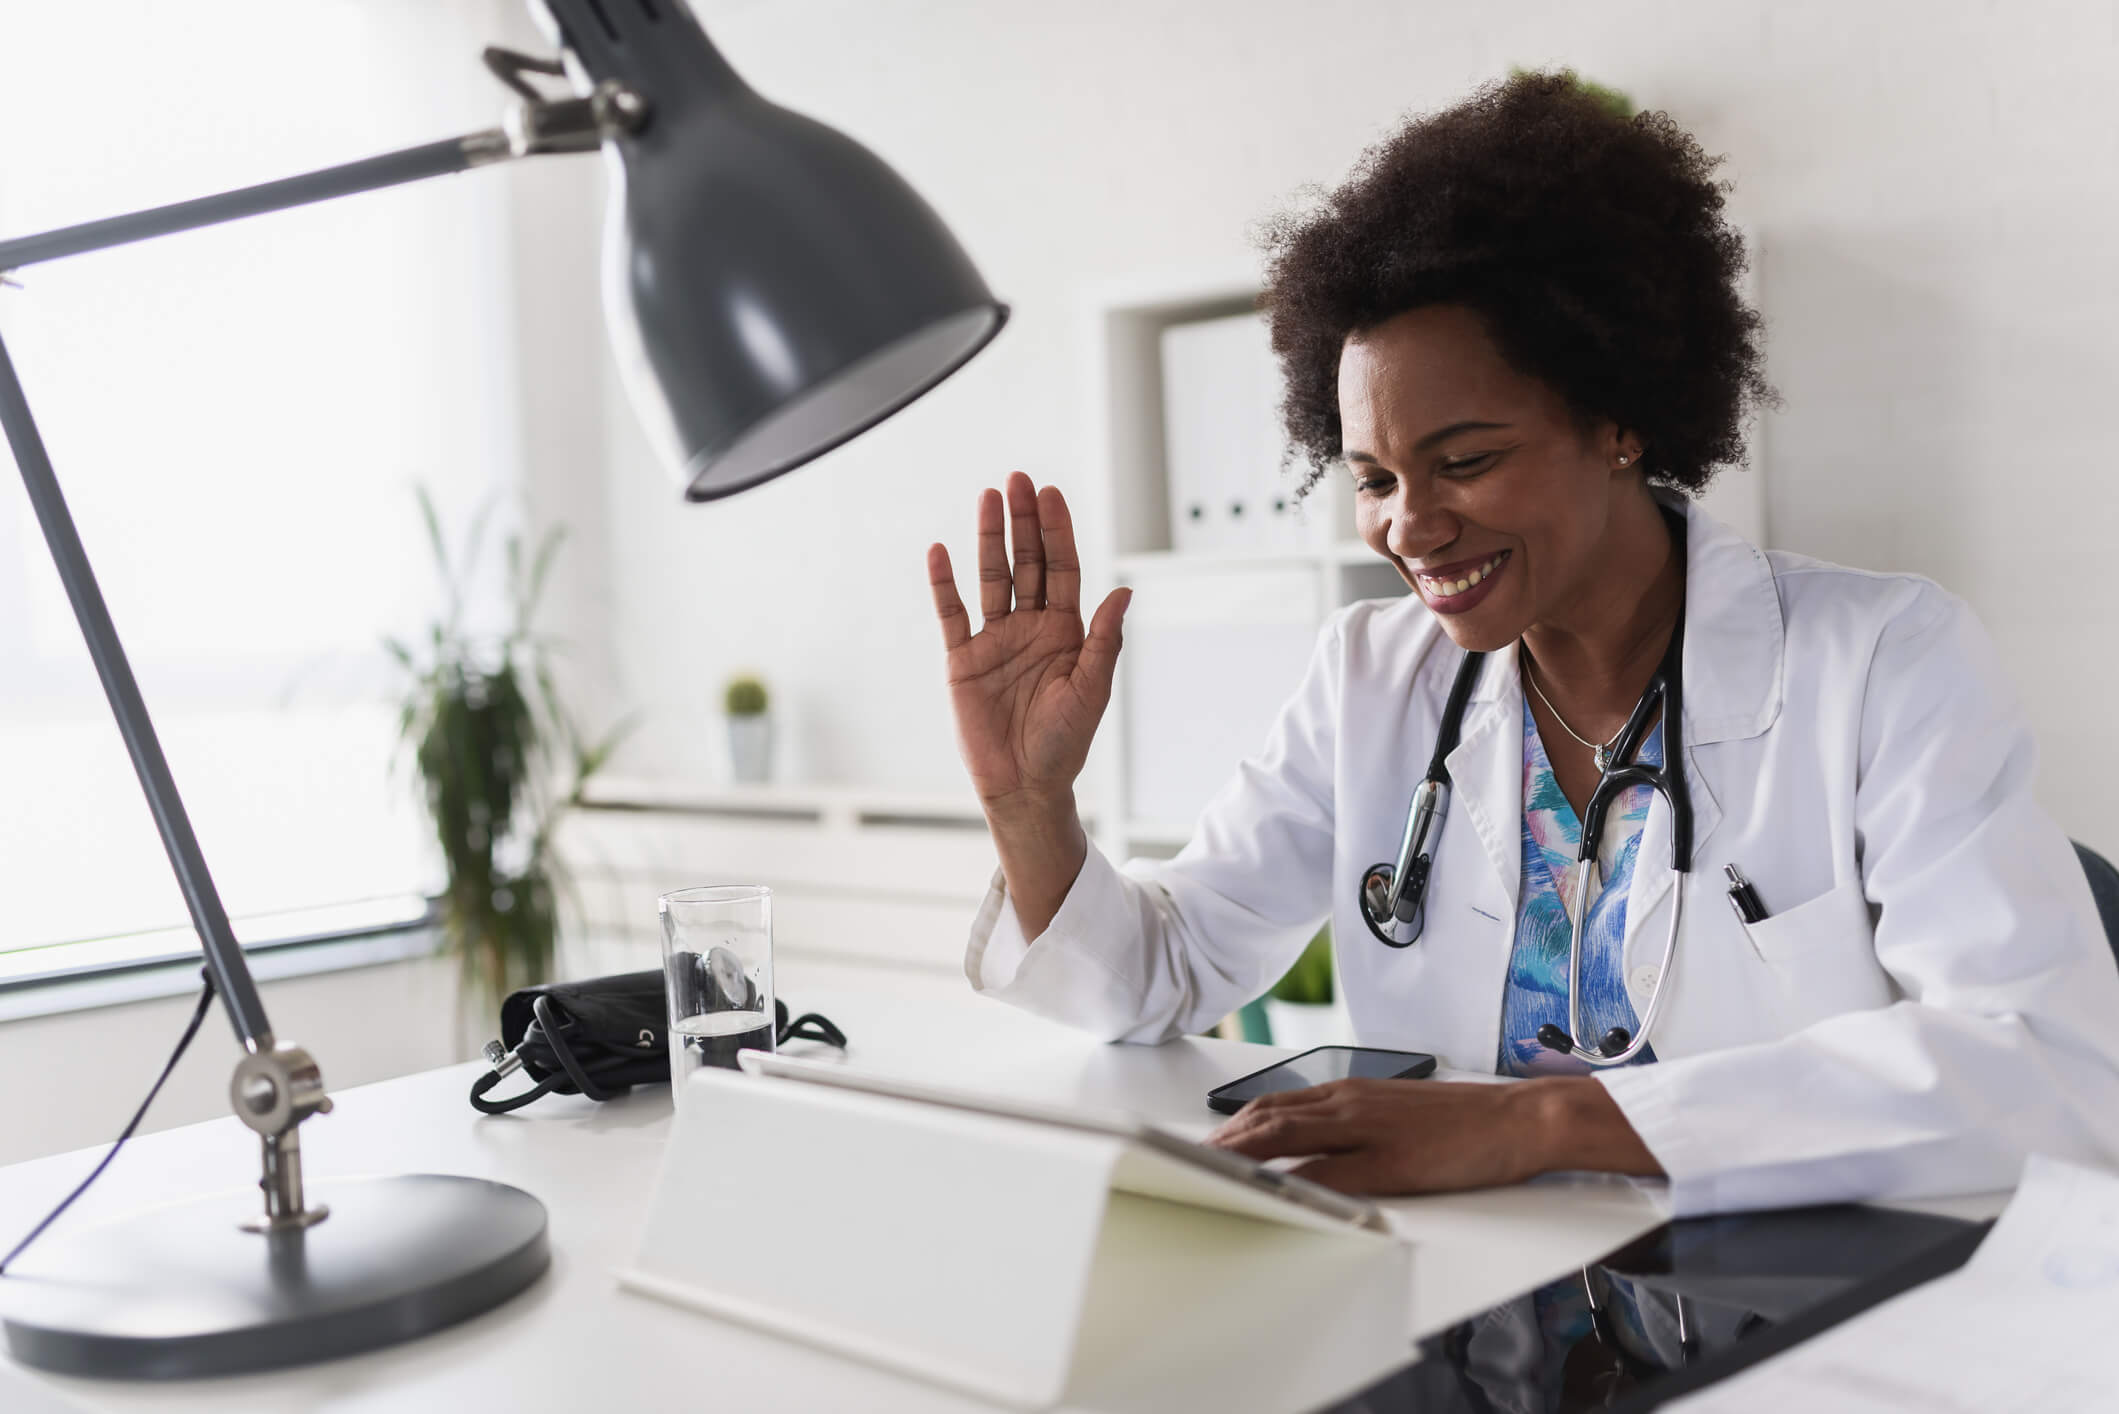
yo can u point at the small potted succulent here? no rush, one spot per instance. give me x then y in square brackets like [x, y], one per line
[750, 730]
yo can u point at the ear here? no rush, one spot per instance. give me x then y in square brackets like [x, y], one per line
[1621, 447]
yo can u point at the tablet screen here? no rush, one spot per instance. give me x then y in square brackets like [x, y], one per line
[1673, 1311]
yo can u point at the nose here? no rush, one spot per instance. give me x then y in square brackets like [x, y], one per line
[1419, 524]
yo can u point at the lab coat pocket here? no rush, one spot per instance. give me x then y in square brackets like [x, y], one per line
[1823, 952]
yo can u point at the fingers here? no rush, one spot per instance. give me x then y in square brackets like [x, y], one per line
[948, 607]
[1274, 1102]
[1256, 1110]
[994, 579]
[1063, 564]
[1029, 543]
[1288, 1132]
[1099, 656]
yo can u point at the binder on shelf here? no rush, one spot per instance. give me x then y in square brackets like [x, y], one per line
[994, 1252]
[1222, 441]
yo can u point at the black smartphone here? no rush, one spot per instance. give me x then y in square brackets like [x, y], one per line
[1326, 1063]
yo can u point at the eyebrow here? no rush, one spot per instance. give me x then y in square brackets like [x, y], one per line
[1432, 439]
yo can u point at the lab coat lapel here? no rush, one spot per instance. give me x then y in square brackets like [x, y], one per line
[1486, 769]
[1734, 645]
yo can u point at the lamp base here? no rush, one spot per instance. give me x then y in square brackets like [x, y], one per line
[182, 1291]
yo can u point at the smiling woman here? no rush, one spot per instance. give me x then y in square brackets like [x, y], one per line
[1518, 329]
[1593, 249]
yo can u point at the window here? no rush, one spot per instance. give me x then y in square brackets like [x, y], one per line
[237, 416]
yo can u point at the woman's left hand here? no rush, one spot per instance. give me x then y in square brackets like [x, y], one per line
[1421, 1136]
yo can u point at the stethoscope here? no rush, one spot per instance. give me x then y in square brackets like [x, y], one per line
[1394, 895]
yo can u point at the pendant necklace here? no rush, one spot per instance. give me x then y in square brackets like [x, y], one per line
[1602, 752]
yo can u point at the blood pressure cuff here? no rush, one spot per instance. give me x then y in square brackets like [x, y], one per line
[601, 1037]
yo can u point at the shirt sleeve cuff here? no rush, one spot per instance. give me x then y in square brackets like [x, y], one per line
[1646, 1099]
[997, 943]
[998, 951]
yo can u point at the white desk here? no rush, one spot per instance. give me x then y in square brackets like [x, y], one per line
[575, 1341]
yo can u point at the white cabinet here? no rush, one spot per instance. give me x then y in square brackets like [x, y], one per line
[1210, 657]
[857, 877]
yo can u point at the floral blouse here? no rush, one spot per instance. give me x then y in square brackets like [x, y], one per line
[1536, 991]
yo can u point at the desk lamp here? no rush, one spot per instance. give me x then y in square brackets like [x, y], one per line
[772, 289]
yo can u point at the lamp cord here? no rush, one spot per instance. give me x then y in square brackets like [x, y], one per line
[198, 1015]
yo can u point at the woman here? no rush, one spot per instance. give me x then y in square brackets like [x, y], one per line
[1516, 332]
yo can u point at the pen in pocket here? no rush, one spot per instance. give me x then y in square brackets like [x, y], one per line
[1742, 897]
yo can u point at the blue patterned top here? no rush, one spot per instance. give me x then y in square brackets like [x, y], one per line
[1536, 991]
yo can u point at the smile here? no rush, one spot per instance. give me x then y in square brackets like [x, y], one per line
[1450, 586]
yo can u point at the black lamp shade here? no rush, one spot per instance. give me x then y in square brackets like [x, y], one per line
[773, 288]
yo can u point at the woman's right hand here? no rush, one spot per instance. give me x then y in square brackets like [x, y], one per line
[1029, 687]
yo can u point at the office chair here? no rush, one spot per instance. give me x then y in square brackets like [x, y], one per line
[2104, 887]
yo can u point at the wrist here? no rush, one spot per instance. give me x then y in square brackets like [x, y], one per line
[1042, 847]
[1577, 1125]
[1048, 814]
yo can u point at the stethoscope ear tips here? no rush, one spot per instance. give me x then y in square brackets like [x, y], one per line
[1615, 1041]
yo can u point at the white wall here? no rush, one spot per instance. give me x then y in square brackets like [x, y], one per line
[1933, 184]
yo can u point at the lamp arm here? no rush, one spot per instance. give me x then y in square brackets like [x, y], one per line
[434, 159]
[276, 1085]
[538, 126]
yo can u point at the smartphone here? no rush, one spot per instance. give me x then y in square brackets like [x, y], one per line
[1326, 1063]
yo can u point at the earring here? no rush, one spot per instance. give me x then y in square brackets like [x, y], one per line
[1624, 460]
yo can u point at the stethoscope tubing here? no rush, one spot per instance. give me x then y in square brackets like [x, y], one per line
[1577, 927]
[1393, 895]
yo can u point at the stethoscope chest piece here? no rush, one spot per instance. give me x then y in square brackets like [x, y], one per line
[1395, 922]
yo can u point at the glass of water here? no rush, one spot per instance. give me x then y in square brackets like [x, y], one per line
[717, 956]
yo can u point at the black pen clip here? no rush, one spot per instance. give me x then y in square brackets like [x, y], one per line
[1742, 897]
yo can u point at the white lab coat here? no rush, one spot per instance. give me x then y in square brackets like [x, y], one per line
[1931, 999]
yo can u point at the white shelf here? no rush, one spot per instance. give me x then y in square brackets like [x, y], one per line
[1159, 562]
[829, 805]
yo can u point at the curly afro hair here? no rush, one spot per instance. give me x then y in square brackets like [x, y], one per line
[1591, 244]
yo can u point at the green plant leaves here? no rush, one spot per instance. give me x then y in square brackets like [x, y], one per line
[499, 761]
[1309, 981]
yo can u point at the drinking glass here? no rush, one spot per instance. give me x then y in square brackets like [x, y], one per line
[717, 955]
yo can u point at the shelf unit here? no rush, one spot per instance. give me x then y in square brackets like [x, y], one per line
[1217, 639]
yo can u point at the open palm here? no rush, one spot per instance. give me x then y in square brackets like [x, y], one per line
[1030, 686]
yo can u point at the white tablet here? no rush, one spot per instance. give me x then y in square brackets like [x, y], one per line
[1257, 1178]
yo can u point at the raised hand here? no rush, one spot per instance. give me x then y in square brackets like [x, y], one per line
[1029, 687]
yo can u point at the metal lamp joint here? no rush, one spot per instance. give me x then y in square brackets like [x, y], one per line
[544, 123]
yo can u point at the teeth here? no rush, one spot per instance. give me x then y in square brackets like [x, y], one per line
[1449, 588]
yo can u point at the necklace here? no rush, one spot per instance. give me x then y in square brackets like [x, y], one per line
[1602, 752]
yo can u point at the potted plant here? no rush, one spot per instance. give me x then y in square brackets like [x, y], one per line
[499, 762]
[750, 730]
[1299, 1009]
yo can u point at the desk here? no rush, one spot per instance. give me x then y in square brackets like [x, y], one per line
[575, 1341]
